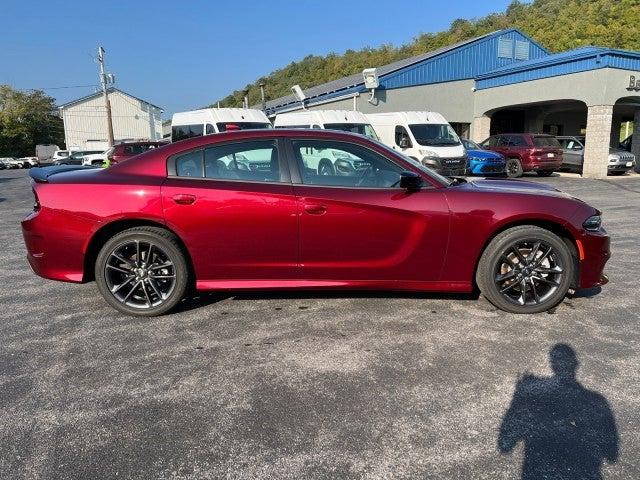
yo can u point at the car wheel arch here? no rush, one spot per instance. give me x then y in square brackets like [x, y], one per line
[104, 233]
[555, 227]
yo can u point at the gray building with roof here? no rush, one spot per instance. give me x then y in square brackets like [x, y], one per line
[502, 82]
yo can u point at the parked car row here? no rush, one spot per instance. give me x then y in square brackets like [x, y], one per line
[22, 162]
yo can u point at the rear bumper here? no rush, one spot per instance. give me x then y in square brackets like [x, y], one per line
[536, 164]
[55, 245]
[595, 253]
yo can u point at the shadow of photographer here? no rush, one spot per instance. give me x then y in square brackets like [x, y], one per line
[568, 431]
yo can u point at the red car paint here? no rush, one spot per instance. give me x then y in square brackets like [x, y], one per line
[243, 235]
[529, 148]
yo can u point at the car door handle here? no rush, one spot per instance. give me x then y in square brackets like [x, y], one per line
[315, 209]
[184, 199]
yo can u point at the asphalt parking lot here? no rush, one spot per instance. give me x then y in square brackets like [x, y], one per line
[318, 385]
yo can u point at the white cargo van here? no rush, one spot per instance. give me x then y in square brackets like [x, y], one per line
[215, 120]
[327, 161]
[424, 136]
[345, 120]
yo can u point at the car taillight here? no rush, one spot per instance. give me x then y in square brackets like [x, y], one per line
[36, 201]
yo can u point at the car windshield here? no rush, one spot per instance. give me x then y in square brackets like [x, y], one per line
[361, 128]
[230, 126]
[469, 145]
[546, 141]
[434, 134]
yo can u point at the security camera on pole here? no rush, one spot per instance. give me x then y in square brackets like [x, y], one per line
[106, 78]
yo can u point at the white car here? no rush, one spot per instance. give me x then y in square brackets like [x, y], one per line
[11, 162]
[28, 162]
[60, 155]
[94, 158]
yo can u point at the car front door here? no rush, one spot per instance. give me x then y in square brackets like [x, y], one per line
[358, 225]
[572, 153]
[234, 207]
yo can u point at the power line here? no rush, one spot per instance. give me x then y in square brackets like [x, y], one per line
[63, 87]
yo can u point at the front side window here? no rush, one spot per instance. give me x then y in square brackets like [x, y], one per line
[340, 164]
[181, 132]
[434, 134]
[402, 137]
[360, 128]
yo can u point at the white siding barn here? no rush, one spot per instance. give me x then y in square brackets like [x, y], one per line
[85, 120]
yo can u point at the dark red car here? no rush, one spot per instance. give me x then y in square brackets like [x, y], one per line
[244, 210]
[122, 151]
[527, 152]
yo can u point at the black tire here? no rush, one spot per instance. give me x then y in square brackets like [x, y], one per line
[166, 248]
[558, 266]
[513, 168]
[325, 167]
[618, 172]
[544, 173]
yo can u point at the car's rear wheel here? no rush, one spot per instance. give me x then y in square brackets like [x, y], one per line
[525, 269]
[513, 168]
[142, 271]
[544, 173]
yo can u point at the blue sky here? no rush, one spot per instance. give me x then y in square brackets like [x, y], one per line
[183, 54]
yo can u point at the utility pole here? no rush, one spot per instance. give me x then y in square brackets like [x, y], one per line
[264, 103]
[104, 78]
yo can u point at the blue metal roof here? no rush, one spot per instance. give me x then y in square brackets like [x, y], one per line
[572, 61]
[464, 60]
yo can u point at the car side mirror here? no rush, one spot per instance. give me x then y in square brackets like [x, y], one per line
[410, 181]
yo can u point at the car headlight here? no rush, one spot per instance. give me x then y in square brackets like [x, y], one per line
[593, 223]
[614, 158]
[343, 166]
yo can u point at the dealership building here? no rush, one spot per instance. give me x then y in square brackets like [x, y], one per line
[502, 82]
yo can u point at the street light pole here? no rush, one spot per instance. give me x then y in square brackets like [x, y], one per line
[107, 103]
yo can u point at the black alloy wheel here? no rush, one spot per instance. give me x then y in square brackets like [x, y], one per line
[526, 269]
[142, 271]
[513, 168]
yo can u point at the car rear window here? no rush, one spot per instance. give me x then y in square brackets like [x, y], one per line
[546, 142]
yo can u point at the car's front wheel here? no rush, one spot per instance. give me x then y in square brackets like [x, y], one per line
[142, 271]
[513, 168]
[525, 269]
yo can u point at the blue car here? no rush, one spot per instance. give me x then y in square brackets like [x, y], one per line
[483, 162]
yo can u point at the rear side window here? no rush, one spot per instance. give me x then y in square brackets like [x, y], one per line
[255, 161]
[137, 149]
[516, 141]
[180, 132]
[190, 164]
[546, 142]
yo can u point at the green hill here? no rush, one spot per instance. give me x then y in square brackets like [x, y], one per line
[557, 24]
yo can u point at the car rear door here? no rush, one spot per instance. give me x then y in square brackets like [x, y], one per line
[234, 207]
[358, 225]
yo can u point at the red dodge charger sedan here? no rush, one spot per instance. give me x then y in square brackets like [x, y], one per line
[250, 210]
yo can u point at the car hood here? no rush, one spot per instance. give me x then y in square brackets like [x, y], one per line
[483, 154]
[512, 186]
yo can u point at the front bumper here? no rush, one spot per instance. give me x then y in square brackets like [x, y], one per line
[594, 250]
[486, 168]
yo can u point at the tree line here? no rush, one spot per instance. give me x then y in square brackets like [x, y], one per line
[27, 119]
[556, 24]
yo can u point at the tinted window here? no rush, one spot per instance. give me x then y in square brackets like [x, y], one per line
[223, 127]
[137, 149]
[180, 132]
[210, 129]
[469, 145]
[490, 142]
[189, 164]
[546, 142]
[361, 128]
[344, 165]
[516, 141]
[255, 161]
[294, 126]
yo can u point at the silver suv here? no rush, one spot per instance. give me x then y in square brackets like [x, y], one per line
[620, 161]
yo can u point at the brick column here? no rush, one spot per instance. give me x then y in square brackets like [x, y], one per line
[635, 139]
[481, 128]
[596, 152]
